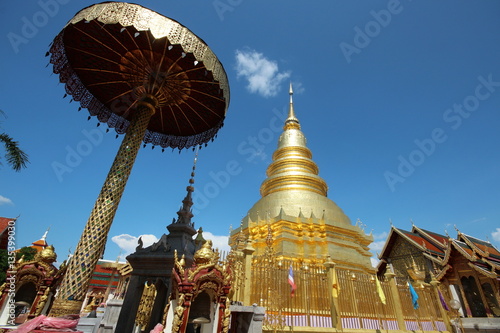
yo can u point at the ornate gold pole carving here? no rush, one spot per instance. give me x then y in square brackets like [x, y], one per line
[41, 302]
[178, 314]
[146, 303]
[224, 315]
[91, 245]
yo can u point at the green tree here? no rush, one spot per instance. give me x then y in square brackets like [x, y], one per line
[15, 157]
[27, 253]
[4, 265]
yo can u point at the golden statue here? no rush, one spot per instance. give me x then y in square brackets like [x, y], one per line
[47, 255]
[205, 255]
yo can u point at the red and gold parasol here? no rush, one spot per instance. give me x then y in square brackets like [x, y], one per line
[146, 76]
[110, 54]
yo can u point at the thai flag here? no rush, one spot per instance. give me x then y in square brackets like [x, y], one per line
[291, 281]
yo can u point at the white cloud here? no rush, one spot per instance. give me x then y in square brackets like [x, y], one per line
[496, 235]
[262, 74]
[257, 154]
[298, 87]
[481, 219]
[128, 243]
[5, 201]
[374, 261]
[377, 246]
[382, 235]
[219, 242]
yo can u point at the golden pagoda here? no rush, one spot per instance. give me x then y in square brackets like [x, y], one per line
[298, 255]
[295, 214]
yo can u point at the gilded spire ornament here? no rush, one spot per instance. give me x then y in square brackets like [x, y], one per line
[291, 121]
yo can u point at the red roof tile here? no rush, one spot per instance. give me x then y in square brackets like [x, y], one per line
[483, 246]
[438, 237]
[4, 223]
[423, 242]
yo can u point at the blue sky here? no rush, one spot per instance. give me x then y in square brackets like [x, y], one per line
[399, 101]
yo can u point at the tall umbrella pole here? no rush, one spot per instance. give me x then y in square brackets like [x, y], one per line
[90, 248]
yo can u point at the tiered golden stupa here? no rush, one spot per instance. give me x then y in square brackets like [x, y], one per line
[296, 216]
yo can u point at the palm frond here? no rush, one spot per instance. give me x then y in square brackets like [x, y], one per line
[15, 157]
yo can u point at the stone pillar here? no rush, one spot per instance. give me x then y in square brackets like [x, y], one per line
[130, 305]
[110, 318]
[397, 300]
[247, 318]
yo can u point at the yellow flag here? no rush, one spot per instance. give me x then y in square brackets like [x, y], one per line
[380, 291]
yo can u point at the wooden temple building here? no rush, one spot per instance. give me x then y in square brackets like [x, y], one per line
[466, 268]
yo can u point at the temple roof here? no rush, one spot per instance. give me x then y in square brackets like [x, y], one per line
[483, 256]
[4, 223]
[424, 242]
[41, 244]
[106, 274]
[485, 248]
[439, 240]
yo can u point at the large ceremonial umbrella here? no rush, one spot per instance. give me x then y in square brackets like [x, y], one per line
[146, 76]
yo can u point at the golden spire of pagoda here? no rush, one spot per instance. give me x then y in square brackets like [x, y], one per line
[291, 121]
[292, 166]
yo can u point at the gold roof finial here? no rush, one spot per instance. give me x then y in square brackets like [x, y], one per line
[291, 121]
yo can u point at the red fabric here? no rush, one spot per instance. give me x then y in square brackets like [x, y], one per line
[29, 325]
[50, 323]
